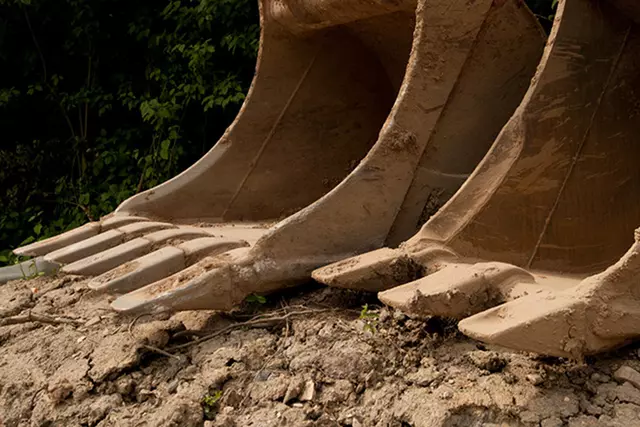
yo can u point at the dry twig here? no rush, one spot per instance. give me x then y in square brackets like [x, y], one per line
[260, 321]
[147, 346]
[40, 318]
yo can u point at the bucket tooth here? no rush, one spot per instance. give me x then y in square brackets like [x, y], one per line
[601, 313]
[138, 228]
[103, 241]
[176, 234]
[550, 324]
[76, 235]
[116, 221]
[458, 290]
[373, 271]
[215, 283]
[140, 272]
[197, 249]
[382, 269]
[87, 247]
[113, 257]
[60, 241]
[110, 258]
[552, 196]
[160, 264]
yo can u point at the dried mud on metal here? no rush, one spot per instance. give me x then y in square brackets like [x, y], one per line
[308, 357]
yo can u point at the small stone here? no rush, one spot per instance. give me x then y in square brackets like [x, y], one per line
[308, 392]
[535, 379]
[529, 417]
[587, 421]
[143, 395]
[589, 407]
[313, 413]
[487, 360]
[446, 394]
[82, 338]
[298, 405]
[552, 422]
[60, 392]
[600, 378]
[172, 386]
[216, 378]
[628, 393]
[102, 406]
[423, 377]
[399, 316]
[509, 378]
[232, 398]
[626, 373]
[293, 389]
[93, 321]
[125, 386]
[263, 375]
[224, 420]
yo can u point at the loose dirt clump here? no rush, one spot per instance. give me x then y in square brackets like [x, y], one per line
[309, 357]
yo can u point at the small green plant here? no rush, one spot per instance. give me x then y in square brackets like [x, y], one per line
[32, 271]
[254, 298]
[369, 318]
[209, 404]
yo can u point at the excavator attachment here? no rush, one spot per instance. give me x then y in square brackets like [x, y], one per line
[521, 252]
[363, 116]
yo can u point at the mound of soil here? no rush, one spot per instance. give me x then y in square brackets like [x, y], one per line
[309, 357]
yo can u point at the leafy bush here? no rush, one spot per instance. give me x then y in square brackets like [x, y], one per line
[100, 99]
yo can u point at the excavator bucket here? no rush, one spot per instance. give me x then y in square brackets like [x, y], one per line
[521, 252]
[362, 116]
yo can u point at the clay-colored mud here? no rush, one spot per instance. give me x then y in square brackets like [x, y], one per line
[332, 367]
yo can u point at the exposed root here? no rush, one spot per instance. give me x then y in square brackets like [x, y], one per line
[160, 351]
[40, 318]
[260, 321]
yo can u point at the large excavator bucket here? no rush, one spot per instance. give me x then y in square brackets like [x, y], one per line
[361, 114]
[521, 252]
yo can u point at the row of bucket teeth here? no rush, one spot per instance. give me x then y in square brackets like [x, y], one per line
[500, 189]
[554, 198]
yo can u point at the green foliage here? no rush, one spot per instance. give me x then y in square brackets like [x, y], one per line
[545, 11]
[255, 298]
[369, 318]
[102, 99]
[210, 405]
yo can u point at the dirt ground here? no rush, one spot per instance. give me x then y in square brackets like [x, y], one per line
[307, 357]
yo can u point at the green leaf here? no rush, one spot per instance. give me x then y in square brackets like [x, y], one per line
[37, 229]
[256, 298]
[27, 241]
[164, 149]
